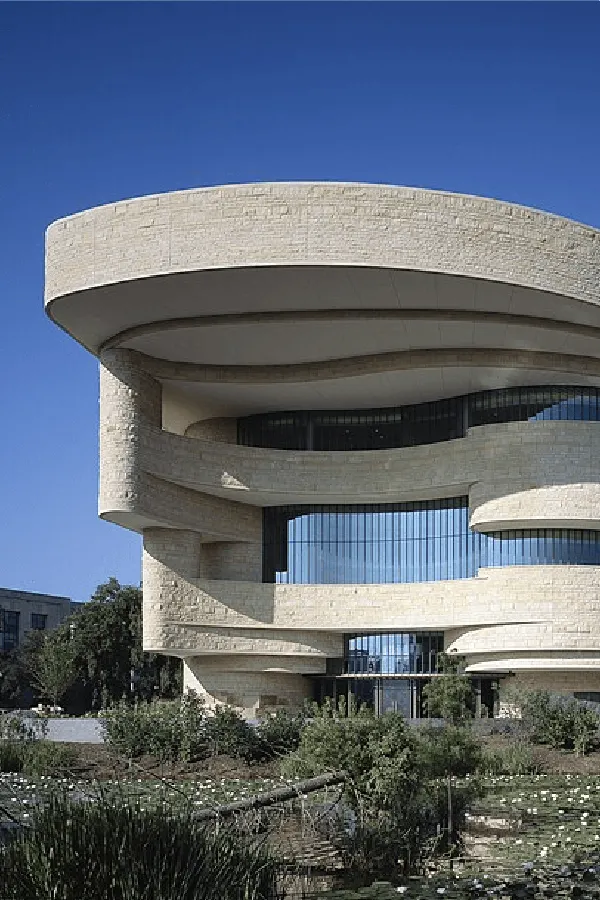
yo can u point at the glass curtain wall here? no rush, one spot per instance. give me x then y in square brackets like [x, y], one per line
[402, 543]
[389, 671]
[399, 653]
[420, 423]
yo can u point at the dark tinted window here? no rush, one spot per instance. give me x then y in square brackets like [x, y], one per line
[420, 423]
[9, 629]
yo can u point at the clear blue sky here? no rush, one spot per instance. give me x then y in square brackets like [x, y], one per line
[104, 101]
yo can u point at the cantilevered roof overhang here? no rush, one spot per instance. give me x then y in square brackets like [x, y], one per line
[318, 295]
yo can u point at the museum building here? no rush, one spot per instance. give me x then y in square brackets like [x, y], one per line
[356, 426]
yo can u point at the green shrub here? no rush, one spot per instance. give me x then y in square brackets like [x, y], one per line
[18, 738]
[228, 734]
[280, 733]
[377, 752]
[84, 851]
[166, 729]
[397, 811]
[447, 750]
[182, 730]
[560, 722]
[450, 697]
[585, 730]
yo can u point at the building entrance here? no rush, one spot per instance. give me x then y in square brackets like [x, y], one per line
[382, 695]
[403, 695]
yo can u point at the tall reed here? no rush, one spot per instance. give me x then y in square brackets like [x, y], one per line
[107, 850]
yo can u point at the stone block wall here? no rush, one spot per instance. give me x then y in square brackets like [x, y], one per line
[222, 429]
[498, 289]
[319, 224]
[203, 595]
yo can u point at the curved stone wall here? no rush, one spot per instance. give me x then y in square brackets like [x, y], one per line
[512, 609]
[222, 429]
[349, 224]
[543, 474]
[204, 599]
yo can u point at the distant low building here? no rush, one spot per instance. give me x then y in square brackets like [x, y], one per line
[23, 611]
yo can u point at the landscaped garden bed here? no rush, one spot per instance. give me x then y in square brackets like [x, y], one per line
[422, 813]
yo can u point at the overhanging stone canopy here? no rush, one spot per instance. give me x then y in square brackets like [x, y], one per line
[208, 305]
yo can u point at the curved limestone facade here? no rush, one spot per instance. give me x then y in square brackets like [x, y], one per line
[356, 425]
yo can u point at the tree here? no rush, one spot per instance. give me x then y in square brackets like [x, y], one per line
[51, 662]
[106, 639]
[16, 690]
[401, 811]
[94, 657]
[450, 696]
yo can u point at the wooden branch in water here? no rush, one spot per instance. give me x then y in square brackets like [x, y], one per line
[269, 798]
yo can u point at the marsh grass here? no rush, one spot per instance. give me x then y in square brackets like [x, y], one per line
[106, 850]
[517, 757]
[25, 750]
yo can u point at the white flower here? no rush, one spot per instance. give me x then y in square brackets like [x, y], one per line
[402, 889]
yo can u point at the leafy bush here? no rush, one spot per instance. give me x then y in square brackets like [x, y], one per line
[450, 697]
[377, 752]
[166, 729]
[183, 730]
[83, 851]
[397, 811]
[560, 722]
[227, 733]
[280, 733]
[585, 725]
[516, 758]
[19, 738]
[447, 750]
